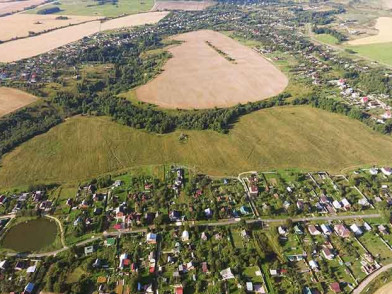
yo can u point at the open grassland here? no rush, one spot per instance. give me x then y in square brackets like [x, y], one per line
[326, 38]
[15, 6]
[209, 70]
[13, 99]
[383, 25]
[378, 52]
[276, 138]
[181, 5]
[29, 47]
[109, 8]
[21, 25]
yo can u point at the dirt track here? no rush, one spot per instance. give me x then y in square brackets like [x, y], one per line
[199, 77]
[29, 47]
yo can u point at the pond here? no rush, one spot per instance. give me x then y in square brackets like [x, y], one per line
[30, 235]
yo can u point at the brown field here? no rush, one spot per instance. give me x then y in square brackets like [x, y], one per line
[383, 25]
[29, 47]
[13, 99]
[11, 25]
[181, 5]
[386, 289]
[387, 4]
[15, 6]
[199, 77]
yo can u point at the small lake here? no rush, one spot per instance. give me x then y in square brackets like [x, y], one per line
[30, 236]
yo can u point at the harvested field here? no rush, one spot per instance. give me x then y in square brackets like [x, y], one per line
[383, 25]
[13, 99]
[387, 5]
[212, 70]
[386, 289]
[11, 25]
[283, 137]
[181, 5]
[29, 47]
[15, 6]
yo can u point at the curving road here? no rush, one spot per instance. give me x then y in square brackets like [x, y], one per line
[362, 286]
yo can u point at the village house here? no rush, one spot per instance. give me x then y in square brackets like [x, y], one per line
[356, 230]
[342, 231]
[151, 238]
[327, 253]
[313, 230]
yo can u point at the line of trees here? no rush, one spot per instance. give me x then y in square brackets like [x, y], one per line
[338, 35]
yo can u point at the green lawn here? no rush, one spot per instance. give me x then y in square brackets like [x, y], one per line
[276, 138]
[326, 38]
[91, 7]
[379, 52]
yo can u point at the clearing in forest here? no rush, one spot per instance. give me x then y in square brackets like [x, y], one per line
[13, 99]
[210, 70]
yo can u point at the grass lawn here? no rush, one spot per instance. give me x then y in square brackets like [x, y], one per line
[91, 7]
[379, 52]
[326, 38]
[276, 138]
[374, 244]
[237, 239]
[74, 276]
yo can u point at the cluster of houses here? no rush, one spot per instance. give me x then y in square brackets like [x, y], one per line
[37, 200]
[40, 69]
[366, 102]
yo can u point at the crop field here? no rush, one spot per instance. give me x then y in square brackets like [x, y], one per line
[384, 35]
[11, 25]
[29, 47]
[276, 138]
[13, 99]
[93, 8]
[210, 70]
[15, 6]
[387, 4]
[379, 52]
[181, 5]
[386, 289]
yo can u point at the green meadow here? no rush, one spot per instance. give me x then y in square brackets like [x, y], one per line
[92, 8]
[379, 52]
[276, 138]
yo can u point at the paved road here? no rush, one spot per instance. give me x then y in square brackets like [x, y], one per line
[362, 286]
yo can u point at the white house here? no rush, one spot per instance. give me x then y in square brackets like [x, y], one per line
[386, 171]
[326, 229]
[356, 230]
[185, 236]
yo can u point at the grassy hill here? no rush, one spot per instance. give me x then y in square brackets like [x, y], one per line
[285, 137]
